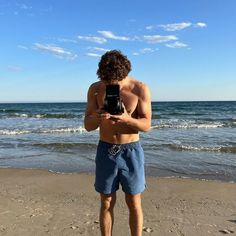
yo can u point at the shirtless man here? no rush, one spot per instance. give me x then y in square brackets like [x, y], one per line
[120, 158]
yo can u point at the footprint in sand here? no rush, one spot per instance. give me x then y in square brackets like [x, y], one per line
[226, 231]
[147, 229]
[233, 221]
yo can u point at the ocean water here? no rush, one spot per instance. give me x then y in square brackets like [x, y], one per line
[188, 139]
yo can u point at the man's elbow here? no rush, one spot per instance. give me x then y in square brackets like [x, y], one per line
[146, 128]
[87, 127]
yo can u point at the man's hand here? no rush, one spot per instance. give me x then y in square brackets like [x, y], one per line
[102, 115]
[124, 117]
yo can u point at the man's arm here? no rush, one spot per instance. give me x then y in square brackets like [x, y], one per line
[91, 119]
[144, 109]
[93, 114]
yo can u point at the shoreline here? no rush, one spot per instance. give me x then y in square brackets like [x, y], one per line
[40, 202]
[149, 174]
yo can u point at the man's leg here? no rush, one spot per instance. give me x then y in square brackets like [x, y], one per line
[135, 213]
[106, 213]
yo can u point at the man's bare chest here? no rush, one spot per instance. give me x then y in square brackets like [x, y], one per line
[129, 99]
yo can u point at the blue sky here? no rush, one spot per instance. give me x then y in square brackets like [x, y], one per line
[184, 50]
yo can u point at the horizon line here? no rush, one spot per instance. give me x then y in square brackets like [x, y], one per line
[15, 102]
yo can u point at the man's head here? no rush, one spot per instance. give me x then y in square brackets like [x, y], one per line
[113, 66]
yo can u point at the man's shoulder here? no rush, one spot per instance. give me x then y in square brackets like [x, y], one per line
[140, 88]
[138, 85]
[95, 85]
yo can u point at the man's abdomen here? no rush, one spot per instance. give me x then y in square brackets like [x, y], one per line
[118, 134]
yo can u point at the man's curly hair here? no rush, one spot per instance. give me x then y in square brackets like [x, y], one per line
[113, 66]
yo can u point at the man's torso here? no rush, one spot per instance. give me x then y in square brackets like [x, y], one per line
[110, 130]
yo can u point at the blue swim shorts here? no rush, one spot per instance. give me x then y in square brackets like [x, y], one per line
[120, 164]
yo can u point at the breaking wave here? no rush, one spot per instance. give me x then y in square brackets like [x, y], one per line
[182, 147]
[79, 129]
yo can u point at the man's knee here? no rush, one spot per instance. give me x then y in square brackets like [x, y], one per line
[133, 202]
[108, 201]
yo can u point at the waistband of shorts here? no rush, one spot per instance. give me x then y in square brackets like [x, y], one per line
[122, 146]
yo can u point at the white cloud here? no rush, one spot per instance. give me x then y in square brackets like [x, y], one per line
[149, 27]
[57, 51]
[145, 51]
[98, 49]
[176, 26]
[137, 38]
[159, 38]
[110, 35]
[176, 45]
[132, 20]
[48, 9]
[93, 54]
[14, 68]
[24, 6]
[67, 40]
[22, 47]
[200, 25]
[94, 39]
[20, 8]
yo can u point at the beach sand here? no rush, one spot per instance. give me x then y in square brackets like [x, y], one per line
[38, 202]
